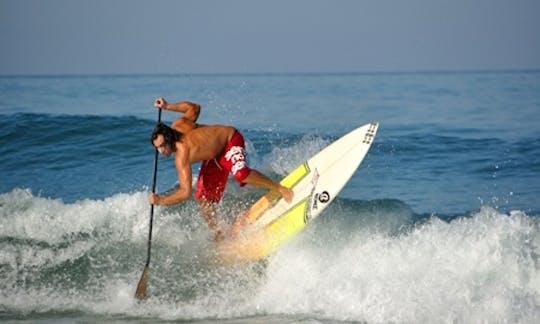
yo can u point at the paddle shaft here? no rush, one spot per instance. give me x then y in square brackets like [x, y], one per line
[140, 293]
[154, 178]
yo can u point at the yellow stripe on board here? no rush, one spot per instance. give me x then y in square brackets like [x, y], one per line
[287, 225]
[257, 245]
[261, 205]
[294, 177]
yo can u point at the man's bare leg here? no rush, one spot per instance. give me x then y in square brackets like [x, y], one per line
[257, 179]
[208, 211]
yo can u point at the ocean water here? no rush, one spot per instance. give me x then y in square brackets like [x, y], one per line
[440, 224]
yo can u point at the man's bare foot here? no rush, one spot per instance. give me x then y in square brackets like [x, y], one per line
[287, 194]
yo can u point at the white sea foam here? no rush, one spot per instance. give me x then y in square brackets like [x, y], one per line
[48, 220]
[482, 267]
[283, 160]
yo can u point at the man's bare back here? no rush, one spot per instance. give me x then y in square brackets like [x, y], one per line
[206, 142]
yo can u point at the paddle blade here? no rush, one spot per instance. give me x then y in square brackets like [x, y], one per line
[140, 294]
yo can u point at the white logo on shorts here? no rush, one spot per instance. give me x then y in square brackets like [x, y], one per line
[237, 157]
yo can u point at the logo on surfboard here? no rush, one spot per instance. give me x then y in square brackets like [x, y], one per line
[370, 134]
[316, 197]
[323, 197]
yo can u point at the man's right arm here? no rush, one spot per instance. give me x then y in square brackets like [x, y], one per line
[190, 110]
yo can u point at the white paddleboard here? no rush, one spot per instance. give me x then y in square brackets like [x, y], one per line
[315, 183]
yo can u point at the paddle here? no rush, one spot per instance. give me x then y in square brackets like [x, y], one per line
[143, 282]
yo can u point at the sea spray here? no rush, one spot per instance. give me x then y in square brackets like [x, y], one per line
[482, 267]
[347, 264]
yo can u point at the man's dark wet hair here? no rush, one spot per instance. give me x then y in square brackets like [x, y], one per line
[170, 136]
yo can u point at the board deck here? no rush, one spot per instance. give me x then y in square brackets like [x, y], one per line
[315, 183]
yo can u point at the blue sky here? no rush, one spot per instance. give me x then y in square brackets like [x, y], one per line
[251, 36]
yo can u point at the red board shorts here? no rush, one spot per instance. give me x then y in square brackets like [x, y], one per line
[214, 173]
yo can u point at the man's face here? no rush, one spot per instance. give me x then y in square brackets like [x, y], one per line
[162, 146]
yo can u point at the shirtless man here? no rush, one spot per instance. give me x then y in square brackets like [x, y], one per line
[222, 151]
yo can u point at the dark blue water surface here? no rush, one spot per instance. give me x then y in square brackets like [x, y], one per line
[439, 223]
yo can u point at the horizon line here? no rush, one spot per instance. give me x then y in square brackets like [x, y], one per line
[305, 73]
